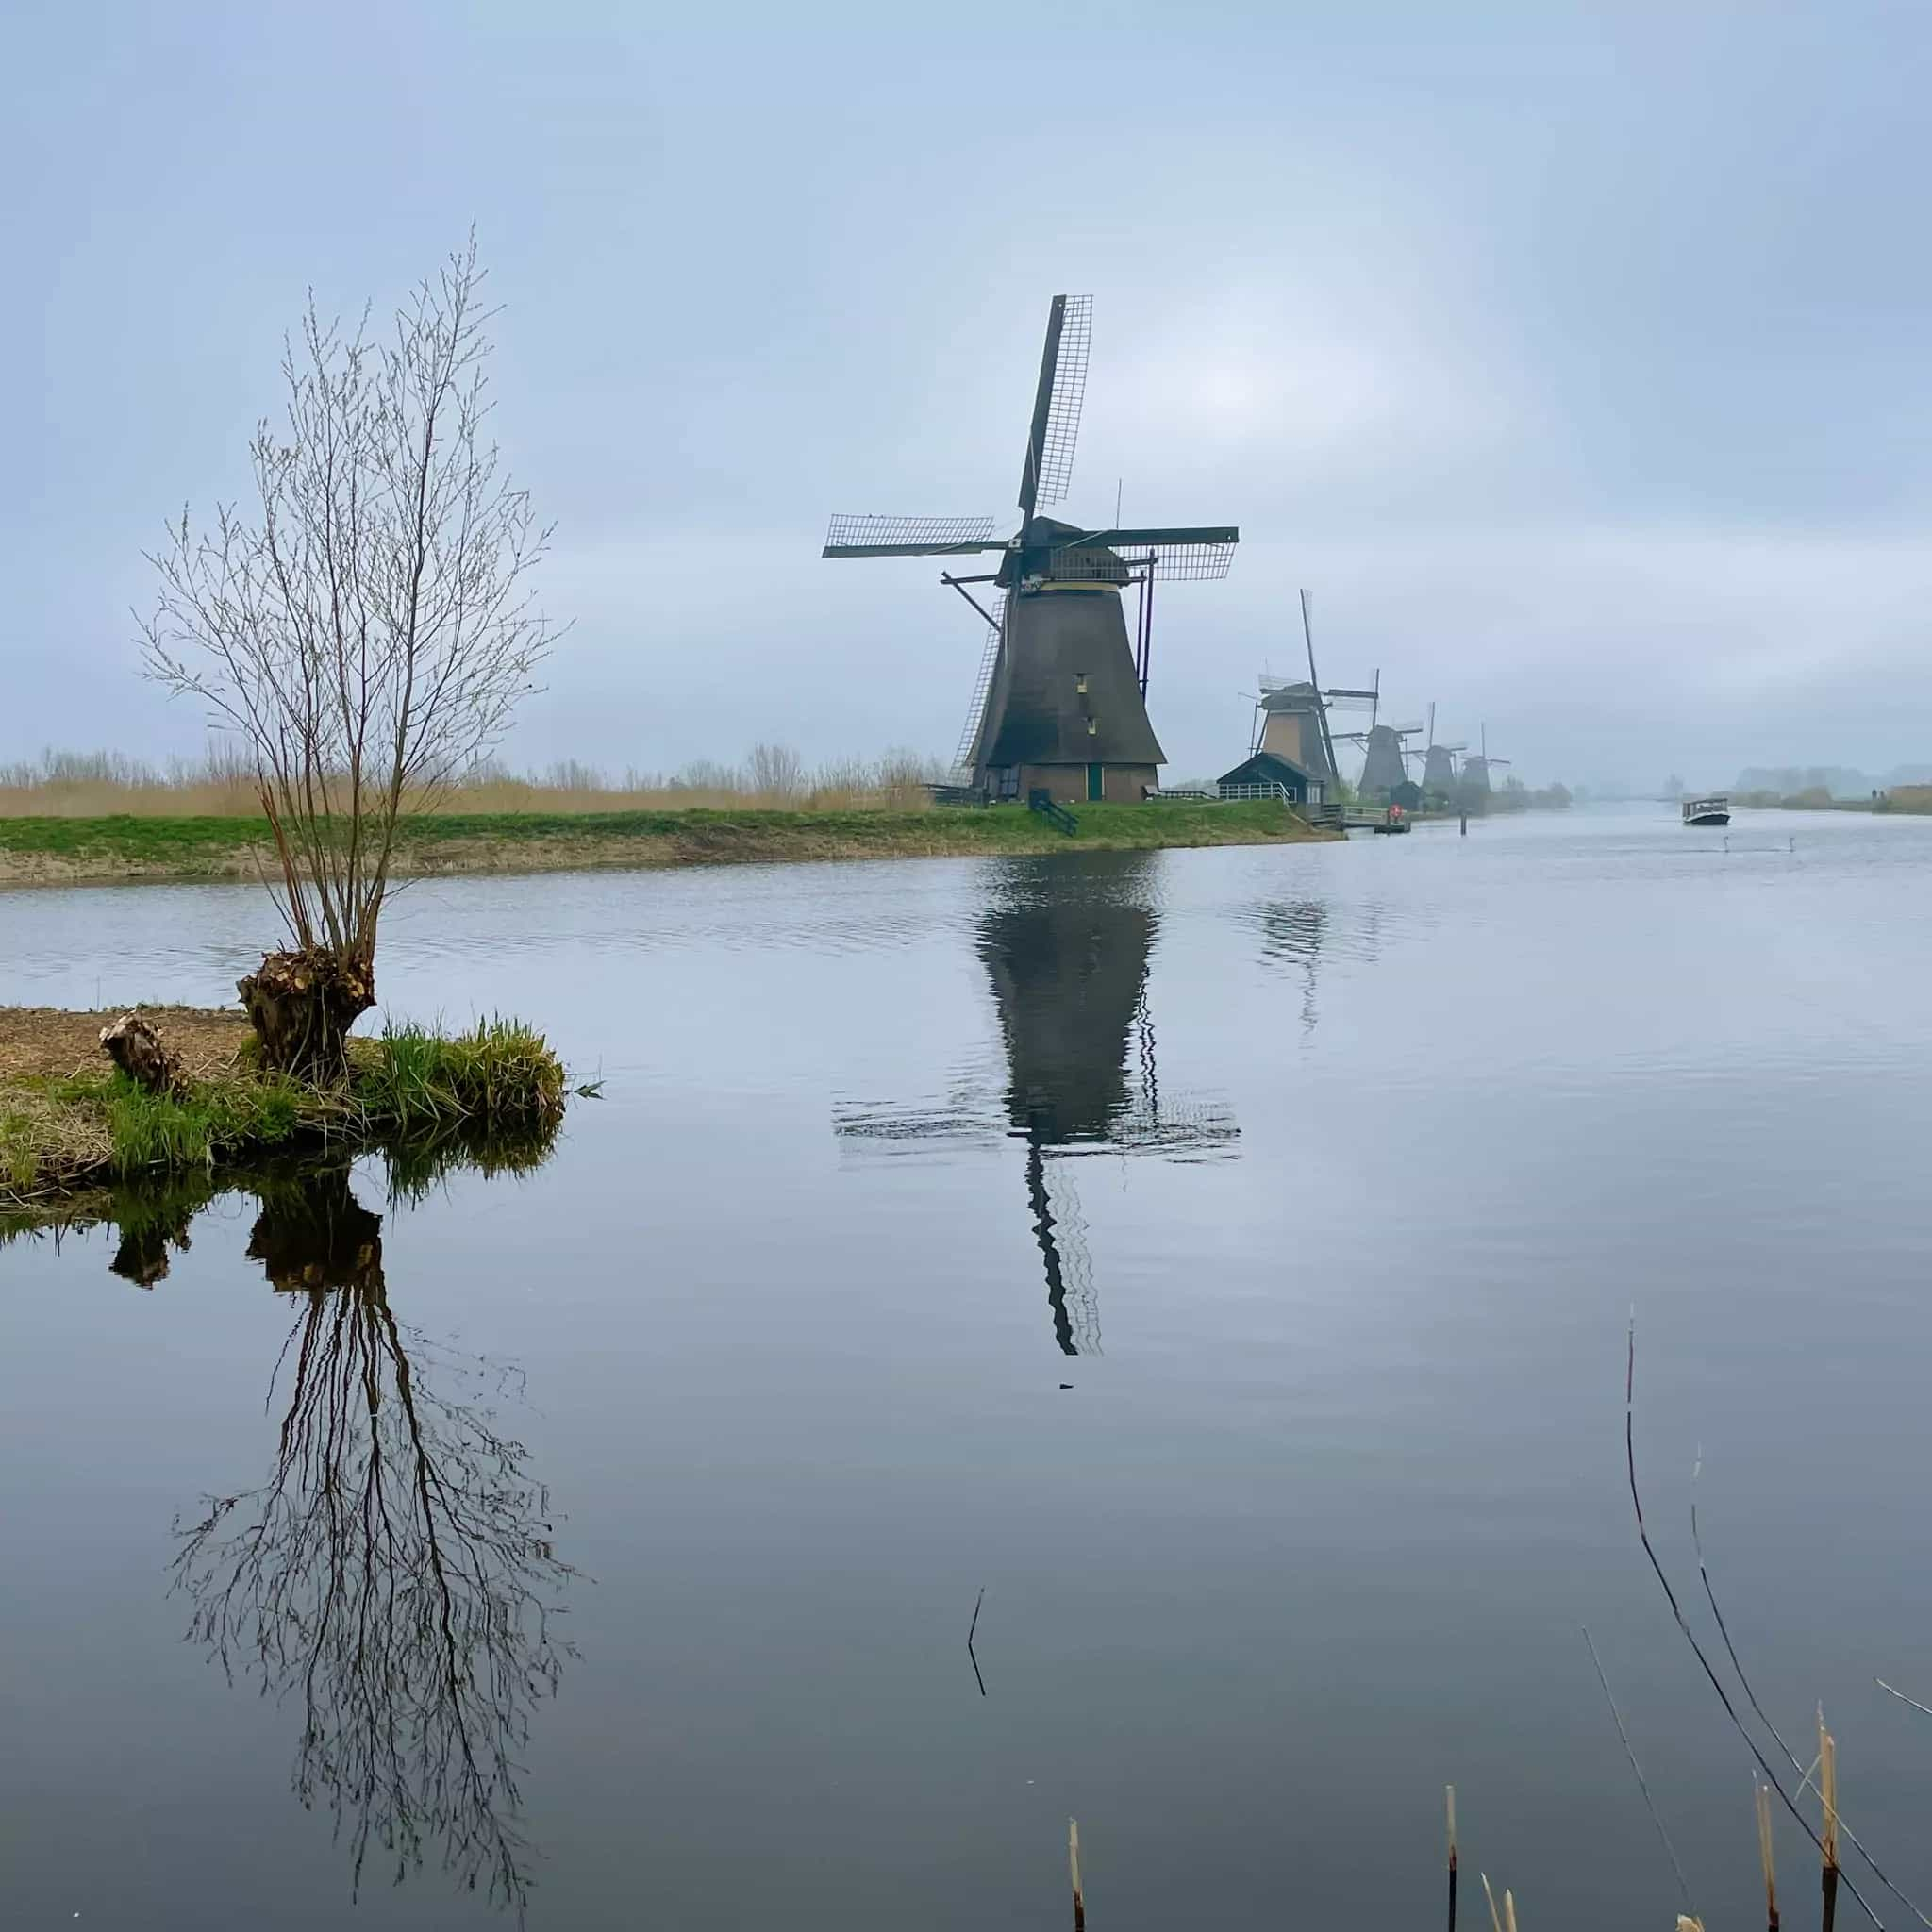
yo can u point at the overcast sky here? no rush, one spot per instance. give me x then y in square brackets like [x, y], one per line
[1576, 358]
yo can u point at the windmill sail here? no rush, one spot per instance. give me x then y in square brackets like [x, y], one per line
[870, 536]
[1048, 471]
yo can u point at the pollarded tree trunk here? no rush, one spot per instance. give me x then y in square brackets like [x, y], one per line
[301, 1005]
[135, 1046]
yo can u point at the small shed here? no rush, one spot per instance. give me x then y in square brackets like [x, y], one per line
[1269, 769]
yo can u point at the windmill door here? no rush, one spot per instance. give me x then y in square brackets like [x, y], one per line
[1095, 782]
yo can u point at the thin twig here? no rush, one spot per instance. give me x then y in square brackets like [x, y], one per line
[1903, 1699]
[1642, 1784]
[1683, 1623]
[971, 1630]
[1449, 1791]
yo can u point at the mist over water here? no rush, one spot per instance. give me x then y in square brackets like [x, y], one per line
[1222, 1258]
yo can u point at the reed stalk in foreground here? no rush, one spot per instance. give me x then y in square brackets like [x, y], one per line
[1827, 1838]
[1074, 1868]
[1760, 1794]
[1450, 1793]
[1495, 1917]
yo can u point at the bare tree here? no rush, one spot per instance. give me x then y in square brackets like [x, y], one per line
[367, 632]
[776, 772]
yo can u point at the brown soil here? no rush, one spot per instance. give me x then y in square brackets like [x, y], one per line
[46, 1043]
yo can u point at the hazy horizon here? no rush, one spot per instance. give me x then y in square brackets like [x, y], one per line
[1570, 357]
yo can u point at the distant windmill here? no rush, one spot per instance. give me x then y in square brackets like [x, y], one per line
[1385, 751]
[1060, 701]
[1438, 762]
[1476, 770]
[1291, 716]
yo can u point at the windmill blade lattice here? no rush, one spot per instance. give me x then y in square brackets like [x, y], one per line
[964, 759]
[1068, 393]
[875, 536]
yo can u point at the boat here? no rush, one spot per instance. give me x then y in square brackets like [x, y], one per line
[1715, 810]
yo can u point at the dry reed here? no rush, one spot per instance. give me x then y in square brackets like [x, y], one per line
[1074, 1869]
[1827, 1794]
[1761, 1797]
[1449, 1795]
[222, 784]
[1495, 1917]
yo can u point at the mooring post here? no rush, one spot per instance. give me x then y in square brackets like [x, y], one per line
[1465, 825]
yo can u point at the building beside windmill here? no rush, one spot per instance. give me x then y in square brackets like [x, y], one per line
[1291, 748]
[1060, 703]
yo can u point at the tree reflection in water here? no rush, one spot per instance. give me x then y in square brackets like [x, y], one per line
[396, 1571]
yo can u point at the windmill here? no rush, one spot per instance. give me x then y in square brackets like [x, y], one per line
[1385, 751]
[1292, 717]
[1438, 762]
[1067, 962]
[1476, 770]
[1060, 701]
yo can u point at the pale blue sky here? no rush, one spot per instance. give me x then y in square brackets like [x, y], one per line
[1577, 357]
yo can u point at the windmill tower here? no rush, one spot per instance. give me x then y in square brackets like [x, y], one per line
[1060, 703]
[1438, 762]
[1385, 751]
[1476, 770]
[1291, 717]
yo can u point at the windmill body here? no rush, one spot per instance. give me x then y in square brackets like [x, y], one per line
[1294, 726]
[1438, 763]
[1475, 785]
[1061, 703]
[1383, 767]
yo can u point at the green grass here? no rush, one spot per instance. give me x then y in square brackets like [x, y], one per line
[191, 846]
[498, 1081]
[501, 1071]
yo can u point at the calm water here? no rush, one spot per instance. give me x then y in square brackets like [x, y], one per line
[1220, 1258]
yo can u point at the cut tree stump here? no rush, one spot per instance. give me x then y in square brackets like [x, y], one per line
[136, 1048]
[301, 1005]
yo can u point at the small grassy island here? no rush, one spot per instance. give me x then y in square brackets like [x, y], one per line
[73, 1126]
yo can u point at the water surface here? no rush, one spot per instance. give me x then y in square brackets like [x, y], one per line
[1220, 1258]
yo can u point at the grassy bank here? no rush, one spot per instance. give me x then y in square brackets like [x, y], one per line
[57, 850]
[1913, 800]
[68, 1121]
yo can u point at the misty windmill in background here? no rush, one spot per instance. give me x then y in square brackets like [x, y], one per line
[1384, 756]
[1291, 745]
[1474, 782]
[1438, 762]
[1060, 703]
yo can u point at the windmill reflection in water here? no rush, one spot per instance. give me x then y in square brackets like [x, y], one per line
[1066, 954]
